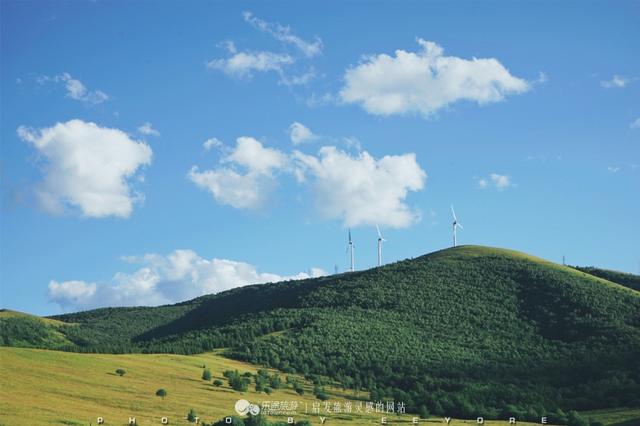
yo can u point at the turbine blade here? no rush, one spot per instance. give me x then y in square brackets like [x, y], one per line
[378, 229]
[459, 225]
[454, 214]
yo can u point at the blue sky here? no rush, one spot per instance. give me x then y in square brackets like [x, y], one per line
[523, 115]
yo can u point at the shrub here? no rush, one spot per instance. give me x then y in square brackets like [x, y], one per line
[191, 415]
[161, 393]
[120, 372]
[217, 382]
[206, 375]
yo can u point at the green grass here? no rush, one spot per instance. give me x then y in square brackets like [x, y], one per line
[43, 387]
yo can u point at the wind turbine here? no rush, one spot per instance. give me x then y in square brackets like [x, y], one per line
[456, 224]
[350, 247]
[380, 240]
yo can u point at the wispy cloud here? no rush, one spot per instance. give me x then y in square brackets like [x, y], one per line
[75, 88]
[244, 64]
[284, 34]
[635, 124]
[147, 129]
[299, 133]
[616, 82]
[495, 180]
[211, 143]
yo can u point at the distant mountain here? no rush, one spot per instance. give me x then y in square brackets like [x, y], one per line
[465, 331]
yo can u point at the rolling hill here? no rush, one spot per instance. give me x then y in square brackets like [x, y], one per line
[465, 331]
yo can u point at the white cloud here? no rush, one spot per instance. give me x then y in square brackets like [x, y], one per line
[298, 80]
[179, 276]
[87, 166]
[613, 169]
[147, 129]
[71, 293]
[243, 64]
[498, 181]
[284, 35]
[299, 133]
[247, 189]
[251, 154]
[426, 81]
[75, 89]
[212, 143]
[635, 124]
[361, 190]
[542, 78]
[617, 81]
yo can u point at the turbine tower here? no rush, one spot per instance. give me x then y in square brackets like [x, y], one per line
[380, 240]
[456, 224]
[350, 248]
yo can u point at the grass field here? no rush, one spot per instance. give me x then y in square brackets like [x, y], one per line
[41, 387]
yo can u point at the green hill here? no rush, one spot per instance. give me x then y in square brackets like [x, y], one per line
[622, 278]
[29, 331]
[465, 331]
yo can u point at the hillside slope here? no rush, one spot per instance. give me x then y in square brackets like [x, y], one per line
[622, 278]
[465, 331]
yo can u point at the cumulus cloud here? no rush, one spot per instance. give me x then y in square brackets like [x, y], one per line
[147, 129]
[248, 177]
[635, 124]
[361, 190]
[75, 88]
[353, 187]
[88, 167]
[426, 81]
[160, 279]
[284, 34]
[616, 82]
[497, 181]
[299, 133]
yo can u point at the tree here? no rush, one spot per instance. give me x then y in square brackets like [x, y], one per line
[217, 382]
[206, 374]
[161, 393]
[258, 420]
[120, 372]
[299, 389]
[191, 415]
[575, 419]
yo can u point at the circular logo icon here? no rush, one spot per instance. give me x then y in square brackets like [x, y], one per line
[242, 407]
[254, 409]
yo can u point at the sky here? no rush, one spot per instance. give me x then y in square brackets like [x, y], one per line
[154, 152]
